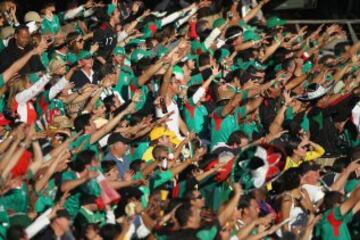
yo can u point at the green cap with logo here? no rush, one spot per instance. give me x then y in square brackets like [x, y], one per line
[274, 22]
[139, 54]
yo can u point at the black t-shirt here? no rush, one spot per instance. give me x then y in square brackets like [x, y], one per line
[106, 36]
[12, 53]
[323, 130]
[80, 79]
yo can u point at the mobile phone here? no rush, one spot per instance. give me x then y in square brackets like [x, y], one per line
[163, 106]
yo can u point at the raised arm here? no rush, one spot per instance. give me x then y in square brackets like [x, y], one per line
[253, 12]
[228, 210]
[28, 94]
[115, 121]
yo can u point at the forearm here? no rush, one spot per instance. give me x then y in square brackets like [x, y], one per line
[244, 46]
[107, 128]
[212, 37]
[38, 158]
[5, 144]
[7, 157]
[70, 185]
[226, 213]
[13, 161]
[253, 12]
[150, 72]
[73, 13]
[26, 95]
[166, 81]
[276, 125]
[57, 88]
[270, 50]
[17, 66]
[295, 82]
[180, 167]
[206, 174]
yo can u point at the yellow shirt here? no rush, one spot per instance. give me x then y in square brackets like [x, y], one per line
[147, 156]
[310, 155]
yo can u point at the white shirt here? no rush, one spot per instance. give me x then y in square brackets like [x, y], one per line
[174, 120]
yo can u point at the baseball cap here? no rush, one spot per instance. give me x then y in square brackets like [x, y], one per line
[139, 54]
[32, 16]
[117, 137]
[275, 21]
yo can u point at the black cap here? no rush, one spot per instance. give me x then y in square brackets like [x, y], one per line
[308, 166]
[117, 137]
[62, 213]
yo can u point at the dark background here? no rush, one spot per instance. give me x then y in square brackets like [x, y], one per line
[326, 9]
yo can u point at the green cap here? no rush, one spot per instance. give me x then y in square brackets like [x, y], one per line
[110, 9]
[224, 53]
[119, 51]
[84, 55]
[33, 77]
[275, 21]
[151, 28]
[218, 22]
[250, 35]
[178, 72]
[139, 54]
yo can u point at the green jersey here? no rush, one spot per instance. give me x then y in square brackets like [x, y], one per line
[333, 225]
[52, 25]
[222, 127]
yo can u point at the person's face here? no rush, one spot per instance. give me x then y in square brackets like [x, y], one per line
[312, 177]
[164, 140]
[117, 102]
[119, 60]
[119, 148]
[91, 233]
[253, 211]
[244, 142]
[87, 63]
[63, 223]
[300, 151]
[91, 127]
[23, 38]
[100, 111]
[197, 200]
[191, 64]
[79, 43]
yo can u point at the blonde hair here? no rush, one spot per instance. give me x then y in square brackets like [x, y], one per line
[15, 87]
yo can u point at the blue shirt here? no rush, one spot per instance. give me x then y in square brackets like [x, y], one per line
[122, 164]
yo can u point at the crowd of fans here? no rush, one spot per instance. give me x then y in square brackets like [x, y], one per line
[189, 120]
